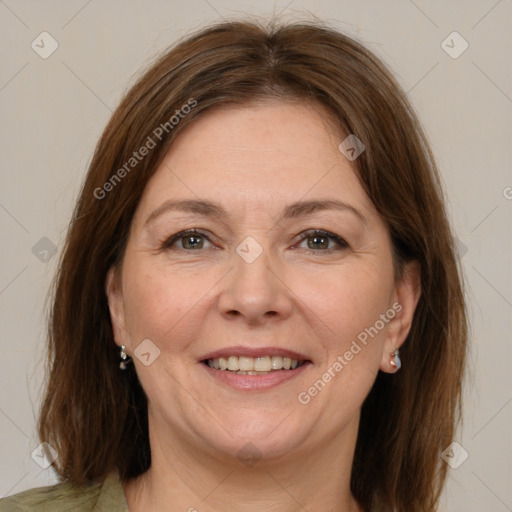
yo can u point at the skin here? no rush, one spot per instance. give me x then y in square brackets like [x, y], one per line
[299, 294]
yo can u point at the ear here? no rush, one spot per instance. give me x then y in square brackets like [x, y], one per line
[115, 298]
[406, 296]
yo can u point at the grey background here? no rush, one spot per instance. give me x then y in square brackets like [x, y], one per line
[53, 111]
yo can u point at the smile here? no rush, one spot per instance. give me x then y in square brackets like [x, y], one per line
[243, 365]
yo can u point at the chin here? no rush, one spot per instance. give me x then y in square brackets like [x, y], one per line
[268, 440]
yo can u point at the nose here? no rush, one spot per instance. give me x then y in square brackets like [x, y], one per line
[255, 291]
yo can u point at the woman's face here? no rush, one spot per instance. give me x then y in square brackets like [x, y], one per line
[255, 285]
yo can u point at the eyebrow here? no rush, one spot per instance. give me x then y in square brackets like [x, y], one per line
[291, 211]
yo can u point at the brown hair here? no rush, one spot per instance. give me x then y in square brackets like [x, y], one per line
[95, 415]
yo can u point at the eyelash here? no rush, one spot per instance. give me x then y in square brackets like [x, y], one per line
[342, 244]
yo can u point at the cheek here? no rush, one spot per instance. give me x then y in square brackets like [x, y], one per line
[346, 301]
[348, 304]
[362, 314]
[160, 304]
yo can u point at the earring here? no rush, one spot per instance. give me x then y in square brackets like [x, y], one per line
[395, 361]
[126, 360]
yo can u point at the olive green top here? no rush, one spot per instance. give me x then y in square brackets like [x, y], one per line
[107, 496]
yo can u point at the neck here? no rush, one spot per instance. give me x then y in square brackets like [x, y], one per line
[184, 477]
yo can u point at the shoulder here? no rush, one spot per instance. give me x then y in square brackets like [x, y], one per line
[59, 497]
[64, 497]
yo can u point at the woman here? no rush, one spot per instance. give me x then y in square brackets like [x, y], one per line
[258, 306]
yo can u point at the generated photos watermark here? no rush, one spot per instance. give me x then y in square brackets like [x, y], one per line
[144, 150]
[304, 397]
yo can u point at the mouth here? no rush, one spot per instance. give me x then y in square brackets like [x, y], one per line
[250, 369]
[243, 365]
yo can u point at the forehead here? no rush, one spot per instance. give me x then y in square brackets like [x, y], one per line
[258, 155]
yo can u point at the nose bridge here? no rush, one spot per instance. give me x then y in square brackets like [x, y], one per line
[254, 289]
[253, 271]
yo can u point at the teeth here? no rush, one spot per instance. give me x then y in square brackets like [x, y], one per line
[253, 365]
[245, 364]
[263, 364]
[233, 363]
[277, 362]
[251, 373]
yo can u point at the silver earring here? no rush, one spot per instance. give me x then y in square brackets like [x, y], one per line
[125, 358]
[396, 361]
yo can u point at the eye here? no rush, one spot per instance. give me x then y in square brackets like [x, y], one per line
[319, 240]
[189, 239]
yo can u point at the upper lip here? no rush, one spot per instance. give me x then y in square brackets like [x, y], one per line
[240, 350]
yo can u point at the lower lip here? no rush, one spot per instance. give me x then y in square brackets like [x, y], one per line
[255, 382]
